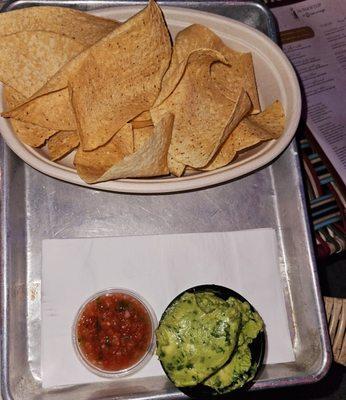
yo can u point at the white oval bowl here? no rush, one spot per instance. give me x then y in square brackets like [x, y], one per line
[275, 77]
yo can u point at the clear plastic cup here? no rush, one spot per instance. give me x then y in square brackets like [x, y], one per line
[131, 368]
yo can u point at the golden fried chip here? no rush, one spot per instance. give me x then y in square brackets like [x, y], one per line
[91, 165]
[116, 85]
[50, 106]
[85, 28]
[29, 59]
[121, 77]
[252, 130]
[32, 135]
[192, 38]
[131, 107]
[53, 95]
[48, 111]
[150, 160]
[141, 135]
[191, 171]
[142, 120]
[238, 73]
[175, 167]
[61, 78]
[226, 153]
[61, 144]
[203, 115]
[272, 120]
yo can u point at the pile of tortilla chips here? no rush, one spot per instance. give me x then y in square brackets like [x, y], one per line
[128, 102]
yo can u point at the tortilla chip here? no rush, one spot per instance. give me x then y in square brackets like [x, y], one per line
[251, 130]
[238, 73]
[61, 78]
[150, 160]
[29, 59]
[56, 97]
[85, 28]
[203, 115]
[188, 40]
[50, 107]
[226, 153]
[249, 81]
[141, 135]
[30, 134]
[272, 120]
[48, 111]
[128, 36]
[61, 144]
[142, 120]
[190, 170]
[144, 116]
[175, 167]
[121, 77]
[91, 165]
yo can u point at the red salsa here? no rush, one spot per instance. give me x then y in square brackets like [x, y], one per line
[114, 331]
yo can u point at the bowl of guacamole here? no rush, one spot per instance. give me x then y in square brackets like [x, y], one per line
[210, 341]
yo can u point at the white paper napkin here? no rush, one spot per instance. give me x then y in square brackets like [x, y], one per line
[158, 268]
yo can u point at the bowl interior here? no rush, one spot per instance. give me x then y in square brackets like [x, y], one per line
[269, 83]
[275, 80]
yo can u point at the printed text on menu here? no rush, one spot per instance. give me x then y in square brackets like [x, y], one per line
[320, 60]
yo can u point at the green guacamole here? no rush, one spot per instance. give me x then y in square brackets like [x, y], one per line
[205, 339]
[239, 369]
[196, 336]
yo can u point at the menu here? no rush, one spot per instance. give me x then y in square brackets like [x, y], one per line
[313, 34]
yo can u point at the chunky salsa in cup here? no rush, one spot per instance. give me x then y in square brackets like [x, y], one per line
[113, 331]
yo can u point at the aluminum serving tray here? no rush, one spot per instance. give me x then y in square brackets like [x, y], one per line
[36, 207]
